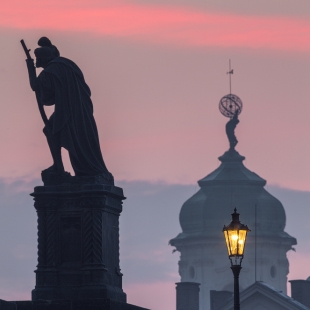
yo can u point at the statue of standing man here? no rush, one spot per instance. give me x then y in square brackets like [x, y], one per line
[72, 125]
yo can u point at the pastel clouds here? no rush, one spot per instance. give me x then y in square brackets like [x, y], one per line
[155, 295]
[164, 25]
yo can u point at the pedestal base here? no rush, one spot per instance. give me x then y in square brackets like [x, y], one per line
[78, 240]
[83, 304]
[92, 292]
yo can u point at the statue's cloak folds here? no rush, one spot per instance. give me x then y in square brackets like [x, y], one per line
[62, 83]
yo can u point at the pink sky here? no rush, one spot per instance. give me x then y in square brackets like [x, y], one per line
[134, 44]
[157, 70]
[159, 24]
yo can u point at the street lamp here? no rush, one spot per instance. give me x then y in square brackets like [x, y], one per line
[235, 236]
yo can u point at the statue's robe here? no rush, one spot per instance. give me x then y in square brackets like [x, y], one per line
[62, 83]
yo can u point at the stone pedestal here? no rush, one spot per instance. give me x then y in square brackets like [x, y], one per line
[78, 240]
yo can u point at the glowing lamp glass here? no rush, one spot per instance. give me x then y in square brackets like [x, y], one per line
[235, 236]
[235, 241]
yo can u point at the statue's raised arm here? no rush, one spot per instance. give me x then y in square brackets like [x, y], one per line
[72, 125]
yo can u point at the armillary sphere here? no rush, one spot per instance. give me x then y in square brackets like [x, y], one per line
[229, 105]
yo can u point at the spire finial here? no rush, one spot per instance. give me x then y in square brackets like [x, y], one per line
[230, 72]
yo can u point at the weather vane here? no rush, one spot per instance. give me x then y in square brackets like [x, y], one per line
[230, 72]
[231, 106]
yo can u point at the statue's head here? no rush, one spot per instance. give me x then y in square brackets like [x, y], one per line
[46, 53]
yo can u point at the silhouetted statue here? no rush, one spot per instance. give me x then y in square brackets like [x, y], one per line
[230, 130]
[72, 125]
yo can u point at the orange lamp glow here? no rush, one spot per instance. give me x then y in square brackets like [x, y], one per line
[235, 236]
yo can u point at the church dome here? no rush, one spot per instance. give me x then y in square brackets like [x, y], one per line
[231, 186]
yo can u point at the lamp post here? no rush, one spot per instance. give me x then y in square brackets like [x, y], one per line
[235, 236]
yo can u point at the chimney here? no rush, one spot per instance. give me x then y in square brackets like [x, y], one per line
[187, 296]
[300, 291]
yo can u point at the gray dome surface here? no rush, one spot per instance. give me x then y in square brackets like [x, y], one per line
[231, 186]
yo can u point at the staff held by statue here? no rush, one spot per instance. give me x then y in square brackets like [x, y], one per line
[40, 106]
